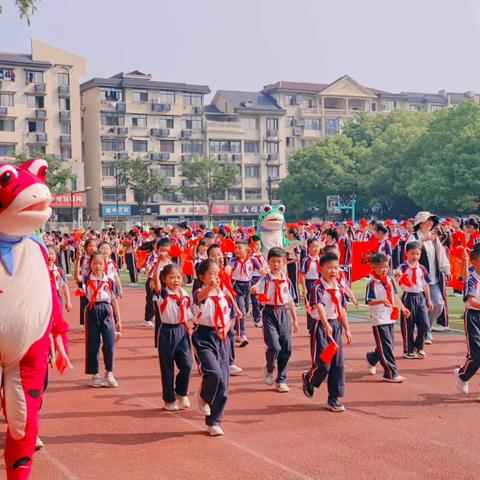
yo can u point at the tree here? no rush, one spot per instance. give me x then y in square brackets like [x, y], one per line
[136, 174]
[323, 168]
[26, 8]
[58, 176]
[206, 180]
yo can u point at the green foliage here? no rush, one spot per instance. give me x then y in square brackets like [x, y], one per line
[207, 180]
[137, 175]
[26, 8]
[396, 164]
[59, 176]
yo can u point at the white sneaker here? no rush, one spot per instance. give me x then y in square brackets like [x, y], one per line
[282, 387]
[462, 386]
[97, 381]
[183, 402]
[215, 431]
[234, 370]
[421, 353]
[372, 369]
[39, 444]
[110, 380]
[395, 379]
[428, 341]
[171, 407]
[439, 328]
[148, 323]
[267, 376]
[202, 406]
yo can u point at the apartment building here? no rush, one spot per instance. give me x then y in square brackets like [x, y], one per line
[40, 113]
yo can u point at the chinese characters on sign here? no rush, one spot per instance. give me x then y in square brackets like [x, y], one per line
[111, 210]
[65, 200]
[244, 209]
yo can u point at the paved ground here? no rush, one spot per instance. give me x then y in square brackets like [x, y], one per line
[416, 430]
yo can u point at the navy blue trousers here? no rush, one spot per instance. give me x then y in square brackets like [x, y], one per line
[149, 309]
[384, 341]
[99, 327]
[417, 304]
[213, 356]
[256, 311]
[132, 269]
[231, 344]
[278, 339]
[292, 270]
[320, 370]
[472, 332]
[174, 350]
[242, 289]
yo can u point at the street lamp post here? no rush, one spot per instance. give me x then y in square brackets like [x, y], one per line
[270, 181]
[72, 193]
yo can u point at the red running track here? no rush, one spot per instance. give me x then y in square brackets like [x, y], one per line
[416, 430]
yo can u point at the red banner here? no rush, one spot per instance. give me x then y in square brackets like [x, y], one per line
[65, 200]
[361, 254]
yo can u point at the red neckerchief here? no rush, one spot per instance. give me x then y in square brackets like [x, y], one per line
[388, 285]
[243, 268]
[336, 304]
[182, 303]
[96, 285]
[218, 318]
[226, 282]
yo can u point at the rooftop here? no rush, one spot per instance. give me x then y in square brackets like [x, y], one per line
[250, 101]
[21, 60]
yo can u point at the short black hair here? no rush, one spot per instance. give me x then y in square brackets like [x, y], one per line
[203, 268]
[166, 270]
[475, 254]
[413, 245]
[329, 248]
[380, 227]
[242, 242]
[332, 233]
[276, 252]
[164, 242]
[255, 238]
[311, 240]
[328, 257]
[212, 247]
[471, 222]
[209, 235]
[379, 258]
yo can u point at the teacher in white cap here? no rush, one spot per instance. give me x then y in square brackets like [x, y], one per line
[434, 258]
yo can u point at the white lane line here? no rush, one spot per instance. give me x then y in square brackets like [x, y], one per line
[58, 464]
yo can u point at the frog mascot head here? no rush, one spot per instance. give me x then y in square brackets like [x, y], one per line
[270, 227]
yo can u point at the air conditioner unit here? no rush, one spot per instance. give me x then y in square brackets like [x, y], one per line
[155, 100]
[297, 131]
[273, 157]
[186, 133]
[3, 110]
[187, 158]
[155, 156]
[122, 130]
[156, 132]
[164, 156]
[299, 122]
[264, 156]
[198, 110]
[236, 157]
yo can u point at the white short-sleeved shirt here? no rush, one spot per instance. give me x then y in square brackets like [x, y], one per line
[422, 278]
[104, 288]
[310, 267]
[204, 311]
[266, 286]
[472, 289]
[322, 293]
[170, 305]
[244, 270]
[379, 314]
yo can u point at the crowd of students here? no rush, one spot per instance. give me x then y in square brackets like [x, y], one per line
[235, 288]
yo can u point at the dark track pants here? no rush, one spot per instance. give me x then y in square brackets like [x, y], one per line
[472, 332]
[278, 339]
[417, 305]
[385, 341]
[256, 311]
[132, 269]
[174, 349]
[242, 289]
[149, 310]
[213, 357]
[99, 327]
[320, 370]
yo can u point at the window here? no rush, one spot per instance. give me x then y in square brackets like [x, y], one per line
[167, 97]
[63, 103]
[234, 194]
[272, 123]
[225, 146]
[166, 122]
[140, 145]
[167, 170]
[192, 123]
[33, 77]
[414, 107]
[290, 142]
[434, 108]
[312, 124]
[63, 79]
[252, 171]
[112, 119]
[73, 184]
[7, 74]
[113, 145]
[34, 150]
[272, 147]
[139, 121]
[114, 194]
[111, 94]
[308, 103]
[167, 146]
[332, 126]
[330, 103]
[374, 107]
[290, 121]
[390, 105]
[6, 99]
[35, 101]
[192, 99]
[140, 95]
[193, 146]
[249, 123]
[253, 194]
[37, 126]
[252, 147]
[7, 150]
[108, 169]
[289, 100]
[65, 128]
[7, 125]
[65, 153]
[273, 171]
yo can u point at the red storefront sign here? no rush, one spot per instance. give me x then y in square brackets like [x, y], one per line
[60, 200]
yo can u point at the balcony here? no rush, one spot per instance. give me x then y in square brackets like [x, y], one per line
[40, 113]
[42, 138]
[65, 139]
[161, 107]
[299, 122]
[121, 107]
[272, 133]
[335, 112]
[233, 129]
[236, 157]
[63, 91]
[186, 134]
[122, 131]
[222, 157]
[297, 130]
[160, 132]
[198, 110]
[64, 115]
[187, 158]
[164, 157]
[155, 156]
[273, 157]
[3, 111]
[40, 88]
[122, 155]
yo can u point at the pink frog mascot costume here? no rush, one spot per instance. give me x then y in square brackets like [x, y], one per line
[29, 309]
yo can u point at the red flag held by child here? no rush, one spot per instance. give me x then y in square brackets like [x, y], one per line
[362, 253]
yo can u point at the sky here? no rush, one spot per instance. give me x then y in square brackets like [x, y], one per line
[393, 45]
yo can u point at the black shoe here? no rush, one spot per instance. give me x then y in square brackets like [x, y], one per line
[243, 343]
[334, 405]
[308, 389]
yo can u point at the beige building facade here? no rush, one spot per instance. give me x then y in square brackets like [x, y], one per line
[40, 112]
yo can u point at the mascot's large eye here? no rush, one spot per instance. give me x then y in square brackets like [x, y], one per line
[266, 208]
[38, 167]
[281, 208]
[7, 174]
